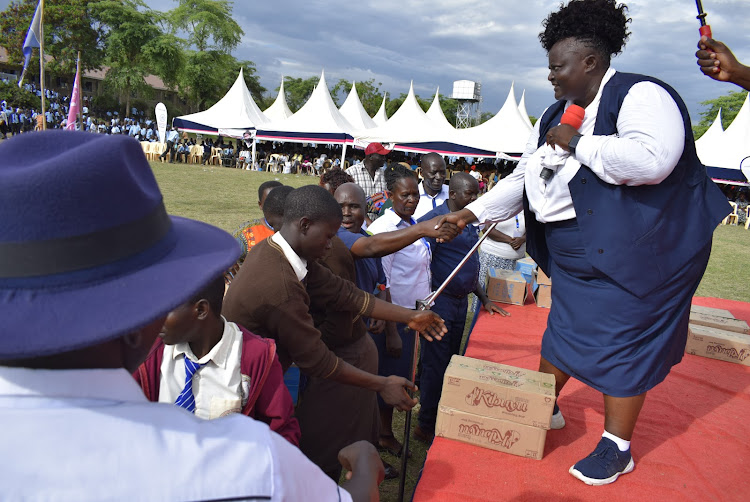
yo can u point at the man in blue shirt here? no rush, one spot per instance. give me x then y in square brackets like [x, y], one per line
[452, 304]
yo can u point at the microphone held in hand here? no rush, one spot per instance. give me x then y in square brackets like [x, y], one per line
[573, 117]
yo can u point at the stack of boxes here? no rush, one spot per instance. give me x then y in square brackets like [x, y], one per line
[715, 333]
[510, 286]
[496, 406]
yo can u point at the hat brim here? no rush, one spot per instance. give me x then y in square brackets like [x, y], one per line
[39, 322]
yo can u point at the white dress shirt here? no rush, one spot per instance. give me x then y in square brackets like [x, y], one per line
[218, 386]
[407, 271]
[647, 147]
[79, 435]
[427, 202]
[514, 227]
[298, 264]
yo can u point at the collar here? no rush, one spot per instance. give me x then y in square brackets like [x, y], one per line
[422, 192]
[299, 265]
[218, 354]
[103, 384]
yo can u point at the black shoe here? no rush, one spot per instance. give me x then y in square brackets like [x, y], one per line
[390, 471]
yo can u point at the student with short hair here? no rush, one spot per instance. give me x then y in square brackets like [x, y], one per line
[233, 370]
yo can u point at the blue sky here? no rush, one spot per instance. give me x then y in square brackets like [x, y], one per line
[434, 42]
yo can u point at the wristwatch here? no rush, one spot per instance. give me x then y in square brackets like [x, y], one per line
[573, 143]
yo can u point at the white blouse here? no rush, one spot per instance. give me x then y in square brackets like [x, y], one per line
[407, 271]
[649, 143]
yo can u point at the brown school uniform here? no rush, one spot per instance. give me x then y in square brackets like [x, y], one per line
[267, 298]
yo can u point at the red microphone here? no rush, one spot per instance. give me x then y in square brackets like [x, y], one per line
[573, 117]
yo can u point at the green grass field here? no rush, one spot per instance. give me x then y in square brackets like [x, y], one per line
[227, 197]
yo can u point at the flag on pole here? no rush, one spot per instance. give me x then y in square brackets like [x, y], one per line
[75, 101]
[32, 38]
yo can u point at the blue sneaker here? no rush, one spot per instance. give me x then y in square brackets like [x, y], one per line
[603, 465]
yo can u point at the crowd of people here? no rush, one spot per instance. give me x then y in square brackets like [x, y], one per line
[328, 281]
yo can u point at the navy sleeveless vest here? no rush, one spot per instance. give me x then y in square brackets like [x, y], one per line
[639, 236]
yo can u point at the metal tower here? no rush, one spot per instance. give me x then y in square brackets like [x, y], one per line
[469, 97]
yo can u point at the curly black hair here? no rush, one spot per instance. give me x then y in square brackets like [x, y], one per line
[396, 172]
[601, 24]
[335, 178]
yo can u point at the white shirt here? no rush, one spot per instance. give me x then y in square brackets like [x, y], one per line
[79, 435]
[298, 264]
[218, 386]
[407, 271]
[514, 227]
[649, 143]
[427, 202]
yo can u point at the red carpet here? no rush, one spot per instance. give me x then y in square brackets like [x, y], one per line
[692, 441]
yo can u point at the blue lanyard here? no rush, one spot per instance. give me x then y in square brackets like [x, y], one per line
[517, 226]
[411, 220]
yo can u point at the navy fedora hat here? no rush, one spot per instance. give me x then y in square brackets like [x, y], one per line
[87, 250]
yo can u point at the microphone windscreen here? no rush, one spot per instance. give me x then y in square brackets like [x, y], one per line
[573, 116]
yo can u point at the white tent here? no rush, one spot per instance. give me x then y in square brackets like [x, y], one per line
[381, 117]
[505, 132]
[726, 153]
[435, 112]
[318, 121]
[354, 112]
[232, 115]
[706, 144]
[279, 110]
[410, 124]
[522, 110]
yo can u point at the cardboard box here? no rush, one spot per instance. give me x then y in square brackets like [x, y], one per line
[543, 290]
[499, 391]
[506, 286]
[725, 323]
[528, 268]
[711, 311]
[718, 344]
[492, 433]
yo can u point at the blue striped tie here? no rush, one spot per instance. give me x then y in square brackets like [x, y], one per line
[186, 399]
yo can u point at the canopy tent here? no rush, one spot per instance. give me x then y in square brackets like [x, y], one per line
[726, 154]
[411, 130]
[507, 131]
[522, 110]
[354, 112]
[381, 117]
[318, 121]
[435, 112]
[279, 110]
[232, 115]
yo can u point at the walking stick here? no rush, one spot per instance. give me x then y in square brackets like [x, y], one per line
[425, 305]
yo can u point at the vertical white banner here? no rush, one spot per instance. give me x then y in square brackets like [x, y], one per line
[161, 121]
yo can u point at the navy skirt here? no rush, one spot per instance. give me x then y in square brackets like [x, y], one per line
[603, 335]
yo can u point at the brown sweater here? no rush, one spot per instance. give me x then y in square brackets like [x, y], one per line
[267, 299]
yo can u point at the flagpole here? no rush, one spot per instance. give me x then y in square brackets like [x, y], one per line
[41, 60]
[80, 92]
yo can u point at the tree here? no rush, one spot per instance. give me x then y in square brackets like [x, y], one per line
[208, 75]
[208, 23]
[729, 104]
[298, 91]
[369, 94]
[135, 46]
[67, 30]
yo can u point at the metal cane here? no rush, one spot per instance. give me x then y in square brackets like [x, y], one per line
[425, 305]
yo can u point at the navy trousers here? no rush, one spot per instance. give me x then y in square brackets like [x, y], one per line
[437, 354]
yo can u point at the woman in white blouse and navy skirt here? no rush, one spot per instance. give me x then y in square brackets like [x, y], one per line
[408, 276]
[622, 223]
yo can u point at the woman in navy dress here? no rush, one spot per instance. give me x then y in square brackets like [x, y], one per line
[606, 220]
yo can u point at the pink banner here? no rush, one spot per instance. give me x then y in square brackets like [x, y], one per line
[75, 102]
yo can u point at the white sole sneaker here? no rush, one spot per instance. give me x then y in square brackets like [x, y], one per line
[599, 482]
[558, 421]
